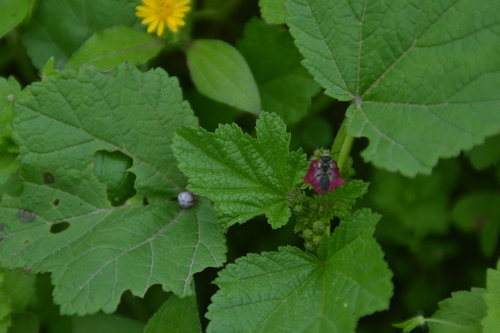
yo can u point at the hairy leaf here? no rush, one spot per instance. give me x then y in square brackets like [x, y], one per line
[294, 291]
[63, 222]
[245, 177]
[423, 76]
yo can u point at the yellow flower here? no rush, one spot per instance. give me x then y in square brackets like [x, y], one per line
[158, 13]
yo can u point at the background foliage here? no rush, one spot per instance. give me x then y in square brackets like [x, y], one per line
[102, 125]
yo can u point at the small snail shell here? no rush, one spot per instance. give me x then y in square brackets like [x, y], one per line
[185, 199]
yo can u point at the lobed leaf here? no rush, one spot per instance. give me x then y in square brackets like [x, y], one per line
[63, 222]
[245, 177]
[294, 291]
[460, 313]
[220, 72]
[423, 77]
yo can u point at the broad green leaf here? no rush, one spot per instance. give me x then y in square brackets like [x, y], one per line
[294, 291]
[245, 177]
[220, 72]
[491, 322]
[176, 315]
[101, 323]
[113, 46]
[285, 86]
[12, 13]
[460, 313]
[63, 222]
[19, 287]
[59, 27]
[423, 76]
[273, 11]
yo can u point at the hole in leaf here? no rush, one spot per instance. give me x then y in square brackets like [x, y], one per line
[110, 168]
[26, 216]
[1, 227]
[59, 227]
[145, 201]
[56, 202]
[49, 178]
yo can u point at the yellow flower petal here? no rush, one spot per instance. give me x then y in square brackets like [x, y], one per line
[152, 26]
[152, 3]
[161, 28]
[171, 24]
[148, 20]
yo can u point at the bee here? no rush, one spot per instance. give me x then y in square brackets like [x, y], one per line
[323, 174]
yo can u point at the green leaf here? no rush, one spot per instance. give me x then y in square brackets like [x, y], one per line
[486, 154]
[460, 313]
[273, 11]
[25, 322]
[113, 46]
[63, 222]
[220, 72]
[59, 27]
[245, 177]
[101, 323]
[423, 78]
[176, 315]
[10, 90]
[491, 322]
[294, 291]
[19, 287]
[285, 86]
[12, 13]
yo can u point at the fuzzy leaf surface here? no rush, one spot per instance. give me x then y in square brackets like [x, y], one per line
[220, 72]
[294, 291]
[245, 177]
[285, 86]
[59, 27]
[113, 46]
[104, 250]
[423, 76]
[491, 322]
[461, 313]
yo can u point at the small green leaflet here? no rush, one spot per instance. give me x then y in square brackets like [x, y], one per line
[220, 72]
[245, 177]
[294, 291]
[176, 315]
[423, 77]
[63, 222]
